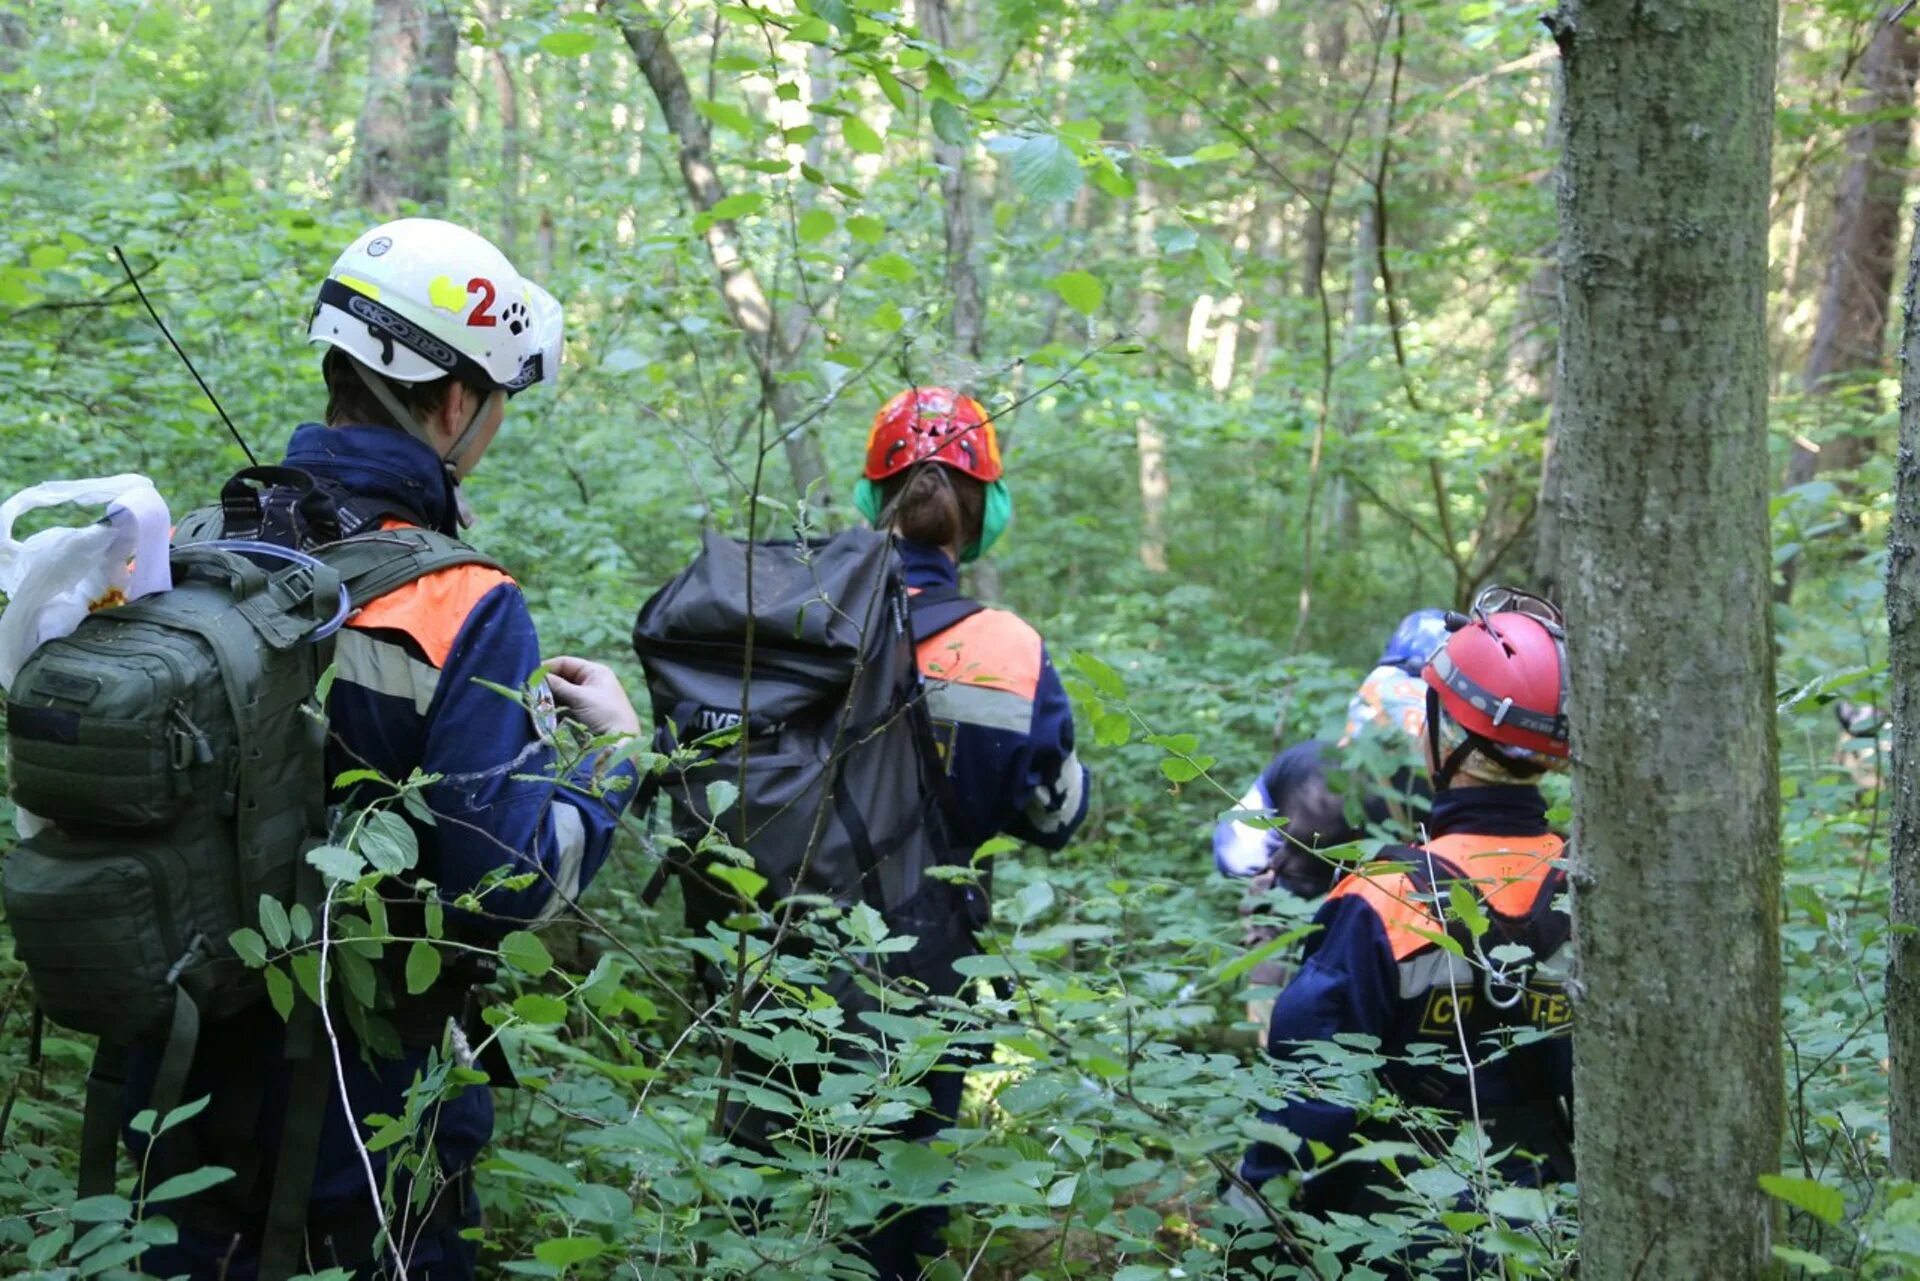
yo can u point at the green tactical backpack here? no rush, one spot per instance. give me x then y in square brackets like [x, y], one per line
[173, 751]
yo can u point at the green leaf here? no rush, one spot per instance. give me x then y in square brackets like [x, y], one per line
[727, 117]
[306, 972]
[1217, 151]
[816, 225]
[181, 1185]
[866, 229]
[1826, 1204]
[1031, 902]
[949, 123]
[423, 966]
[280, 992]
[46, 257]
[436, 917]
[1080, 290]
[388, 843]
[563, 1252]
[721, 794]
[861, 136]
[1466, 906]
[1046, 169]
[745, 880]
[1101, 676]
[540, 1009]
[302, 922]
[356, 971]
[1179, 769]
[525, 952]
[568, 44]
[183, 1114]
[249, 947]
[1814, 1265]
[336, 864]
[894, 267]
[100, 1209]
[739, 205]
[274, 922]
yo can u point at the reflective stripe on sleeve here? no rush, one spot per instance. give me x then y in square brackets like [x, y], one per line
[384, 668]
[982, 705]
[1438, 968]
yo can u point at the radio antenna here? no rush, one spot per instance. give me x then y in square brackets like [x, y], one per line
[185, 359]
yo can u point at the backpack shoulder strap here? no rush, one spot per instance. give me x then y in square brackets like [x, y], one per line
[375, 563]
[934, 609]
[201, 525]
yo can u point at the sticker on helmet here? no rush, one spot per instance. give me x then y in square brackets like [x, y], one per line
[378, 245]
[481, 317]
[446, 295]
[518, 322]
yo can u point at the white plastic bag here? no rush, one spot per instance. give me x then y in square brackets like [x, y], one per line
[58, 576]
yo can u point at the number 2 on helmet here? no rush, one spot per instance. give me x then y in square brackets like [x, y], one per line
[482, 318]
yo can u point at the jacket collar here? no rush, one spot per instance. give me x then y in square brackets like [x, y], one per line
[1489, 811]
[378, 463]
[926, 566]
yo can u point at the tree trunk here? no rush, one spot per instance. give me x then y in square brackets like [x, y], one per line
[1849, 338]
[405, 130]
[963, 282]
[771, 349]
[1903, 654]
[1332, 51]
[1663, 439]
[1150, 441]
[510, 143]
[430, 106]
[1361, 318]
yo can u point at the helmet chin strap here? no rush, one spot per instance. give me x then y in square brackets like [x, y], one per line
[411, 425]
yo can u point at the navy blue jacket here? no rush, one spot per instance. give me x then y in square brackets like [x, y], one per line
[1370, 969]
[411, 691]
[1002, 718]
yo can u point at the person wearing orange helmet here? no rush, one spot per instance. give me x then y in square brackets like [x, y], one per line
[1004, 725]
[1377, 967]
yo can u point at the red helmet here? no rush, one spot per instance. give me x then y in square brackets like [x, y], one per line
[936, 423]
[1502, 677]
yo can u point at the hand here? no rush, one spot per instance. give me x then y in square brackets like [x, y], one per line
[590, 693]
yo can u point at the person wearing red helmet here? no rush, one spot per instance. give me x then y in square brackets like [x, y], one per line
[1001, 716]
[1377, 967]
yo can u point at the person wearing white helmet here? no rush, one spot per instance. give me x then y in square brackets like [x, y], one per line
[435, 325]
[428, 331]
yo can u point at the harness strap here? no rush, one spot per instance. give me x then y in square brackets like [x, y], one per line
[100, 1123]
[283, 1240]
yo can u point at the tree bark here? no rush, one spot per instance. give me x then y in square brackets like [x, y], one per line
[771, 349]
[1903, 654]
[508, 87]
[1663, 401]
[956, 190]
[430, 106]
[1849, 337]
[1362, 314]
[1150, 441]
[405, 130]
[1331, 52]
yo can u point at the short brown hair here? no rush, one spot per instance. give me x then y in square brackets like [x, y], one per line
[935, 505]
[351, 403]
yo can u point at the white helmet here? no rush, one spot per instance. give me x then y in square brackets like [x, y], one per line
[418, 299]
